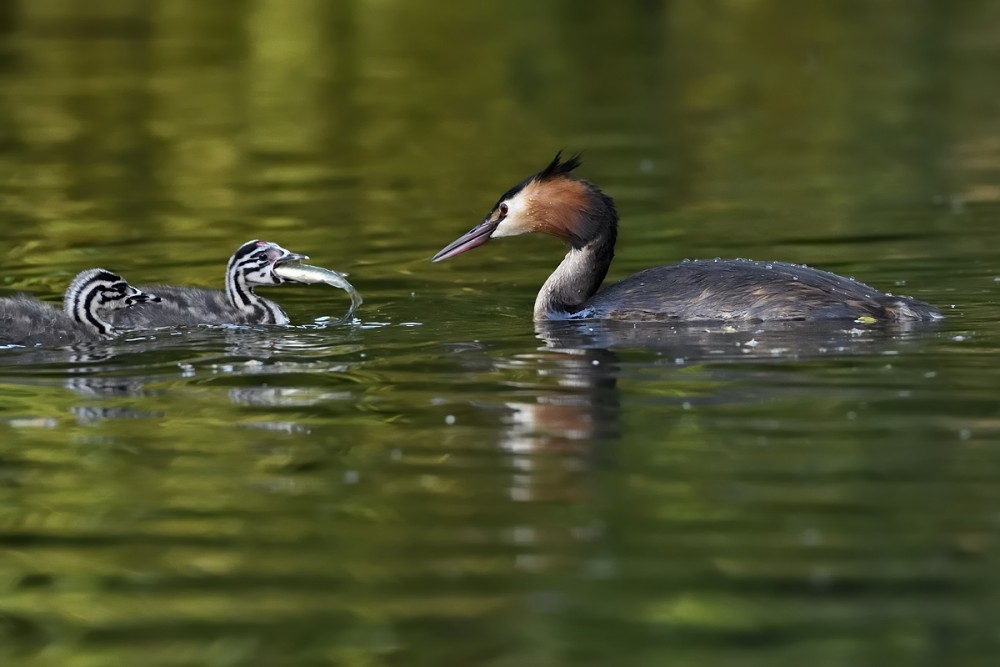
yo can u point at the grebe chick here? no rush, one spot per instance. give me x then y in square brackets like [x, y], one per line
[577, 212]
[89, 299]
[252, 265]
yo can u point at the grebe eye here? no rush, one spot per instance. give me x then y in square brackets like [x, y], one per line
[503, 209]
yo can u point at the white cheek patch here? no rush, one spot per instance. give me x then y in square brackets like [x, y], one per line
[517, 221]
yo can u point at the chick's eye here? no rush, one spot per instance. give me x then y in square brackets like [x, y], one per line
[503, 210]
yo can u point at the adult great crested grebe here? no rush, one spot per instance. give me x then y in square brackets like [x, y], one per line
[252, 265]
[90, 298]
[576, 211]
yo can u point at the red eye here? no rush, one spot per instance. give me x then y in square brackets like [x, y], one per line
[503, 209]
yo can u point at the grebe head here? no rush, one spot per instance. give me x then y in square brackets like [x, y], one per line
[553, 202]
[253, 263]
[94, 292]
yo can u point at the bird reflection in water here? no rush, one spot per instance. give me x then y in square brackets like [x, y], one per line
[568, 427]
[254, 355]
[105, 389]
[575, 415]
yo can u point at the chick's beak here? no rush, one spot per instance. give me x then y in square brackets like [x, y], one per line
[290, 257]
[475, 237]
[142, 297]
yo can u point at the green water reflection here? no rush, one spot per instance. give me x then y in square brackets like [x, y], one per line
[442, 483]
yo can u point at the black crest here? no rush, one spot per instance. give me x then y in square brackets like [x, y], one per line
[558, 168]
[555, 168]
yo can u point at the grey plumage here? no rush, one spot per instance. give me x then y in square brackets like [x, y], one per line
[90, 298]
[725, 290]
[252, 265]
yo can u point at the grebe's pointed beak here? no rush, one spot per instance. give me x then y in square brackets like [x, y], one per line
[288, 256]
[138, 297]
[292, 257]
[477, 236]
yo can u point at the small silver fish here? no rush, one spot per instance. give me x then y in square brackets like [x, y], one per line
[309, 275]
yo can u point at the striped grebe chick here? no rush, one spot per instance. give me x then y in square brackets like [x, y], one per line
[578, 213]
[85, 317]
[252, 265]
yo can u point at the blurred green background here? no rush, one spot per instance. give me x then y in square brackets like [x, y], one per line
[444, 482]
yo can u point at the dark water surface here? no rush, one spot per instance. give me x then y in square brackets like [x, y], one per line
[443, 482]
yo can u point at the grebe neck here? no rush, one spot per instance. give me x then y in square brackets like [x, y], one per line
[580, 274]
[243, 298]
